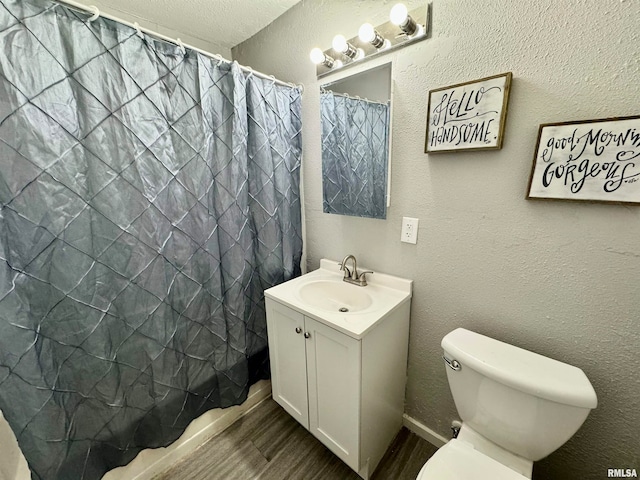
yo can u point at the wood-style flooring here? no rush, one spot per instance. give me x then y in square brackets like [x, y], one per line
[268, 444]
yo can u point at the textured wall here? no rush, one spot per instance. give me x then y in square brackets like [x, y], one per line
[559, 278]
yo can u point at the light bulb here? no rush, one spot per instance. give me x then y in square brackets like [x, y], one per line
[339, 44]
[317, 56]
[366, 33]
[398, 14]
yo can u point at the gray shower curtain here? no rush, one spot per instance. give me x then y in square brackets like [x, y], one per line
[148, 197]
[354, 155]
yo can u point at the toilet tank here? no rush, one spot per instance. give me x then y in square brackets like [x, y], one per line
[524, 402]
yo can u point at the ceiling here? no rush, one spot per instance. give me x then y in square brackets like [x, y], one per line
[223, 22]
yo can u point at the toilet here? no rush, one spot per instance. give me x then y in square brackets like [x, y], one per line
[516, 408]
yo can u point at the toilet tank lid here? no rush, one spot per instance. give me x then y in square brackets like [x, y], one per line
[520, 369]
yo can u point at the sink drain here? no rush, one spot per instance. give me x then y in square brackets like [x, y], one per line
[343, 309]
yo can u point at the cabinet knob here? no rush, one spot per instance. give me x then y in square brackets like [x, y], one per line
[298, 330]
[307, 335]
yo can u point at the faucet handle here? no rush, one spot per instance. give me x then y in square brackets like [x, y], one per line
[347, 272]
[362, 277]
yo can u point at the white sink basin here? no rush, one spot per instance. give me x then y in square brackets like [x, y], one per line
[323, 296]
[335, 296]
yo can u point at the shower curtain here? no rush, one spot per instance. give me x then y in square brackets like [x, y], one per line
[148, 196]
[354, 155]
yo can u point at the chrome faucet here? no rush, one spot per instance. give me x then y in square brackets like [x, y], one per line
[352, 276]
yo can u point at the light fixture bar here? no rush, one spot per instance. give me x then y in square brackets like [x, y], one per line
[394, 37]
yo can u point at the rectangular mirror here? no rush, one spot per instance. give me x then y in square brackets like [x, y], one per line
[356, 131]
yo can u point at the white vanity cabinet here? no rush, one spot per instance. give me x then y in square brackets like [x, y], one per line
[315, 377]
[346, 387]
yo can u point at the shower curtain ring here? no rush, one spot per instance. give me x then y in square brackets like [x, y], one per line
[138, 31]
[181, 45]
[220, 59]
[301, 87]
[273, 80]
[96, 14]
[250, 72]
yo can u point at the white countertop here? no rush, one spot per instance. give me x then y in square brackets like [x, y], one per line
[387, 293]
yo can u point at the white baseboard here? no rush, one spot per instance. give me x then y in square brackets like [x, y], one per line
[151, 462]
[423, 431]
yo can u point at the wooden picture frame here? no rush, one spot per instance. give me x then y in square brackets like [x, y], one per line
[590, 160]
[468, 116]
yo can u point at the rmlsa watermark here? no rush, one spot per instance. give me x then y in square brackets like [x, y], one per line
[622, 473]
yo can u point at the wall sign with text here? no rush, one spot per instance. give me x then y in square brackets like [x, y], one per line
[468, 116]
[592, 160]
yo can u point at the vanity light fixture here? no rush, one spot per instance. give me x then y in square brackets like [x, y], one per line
[399, 16]
[341, 45]
[318, 57]
[374, 40]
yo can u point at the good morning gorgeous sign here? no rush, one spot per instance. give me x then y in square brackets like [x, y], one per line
[468, 116]
[594, 160]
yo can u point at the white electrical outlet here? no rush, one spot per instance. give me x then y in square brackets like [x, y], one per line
[409, 230]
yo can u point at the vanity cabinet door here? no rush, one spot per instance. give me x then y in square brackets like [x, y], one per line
[285, 328]
[334, 379]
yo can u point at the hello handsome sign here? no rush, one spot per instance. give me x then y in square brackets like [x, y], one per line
[468, 116]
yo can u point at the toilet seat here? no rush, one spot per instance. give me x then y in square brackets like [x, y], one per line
[458, 460]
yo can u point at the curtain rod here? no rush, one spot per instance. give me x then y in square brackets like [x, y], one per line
[97, 13]
[346, 95]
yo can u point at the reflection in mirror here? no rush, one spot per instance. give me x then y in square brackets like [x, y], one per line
[355, 143]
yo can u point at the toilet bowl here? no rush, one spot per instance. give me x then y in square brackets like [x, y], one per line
[458, 460]
[516, 408]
